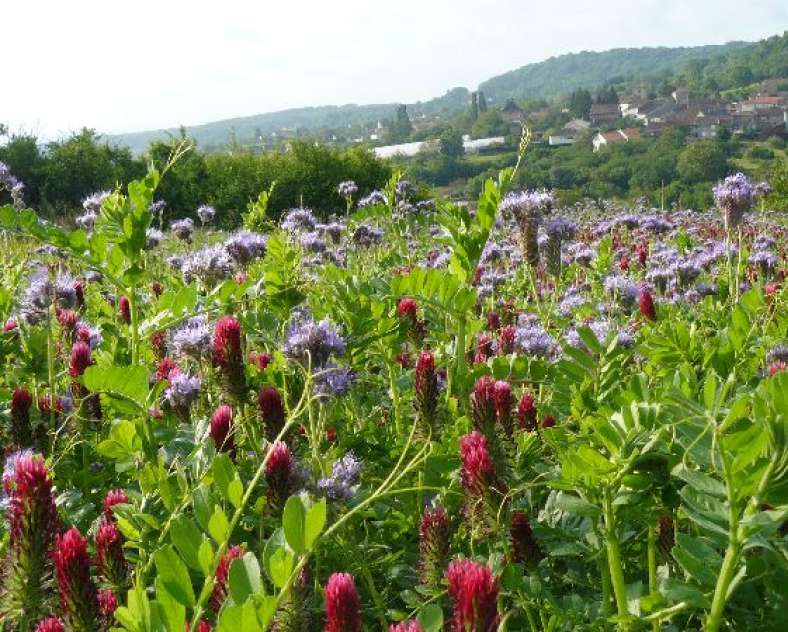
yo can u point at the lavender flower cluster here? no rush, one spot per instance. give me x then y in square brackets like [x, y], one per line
[344, 481]
[14, 186]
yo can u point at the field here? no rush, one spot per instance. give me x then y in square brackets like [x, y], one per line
[411, 417]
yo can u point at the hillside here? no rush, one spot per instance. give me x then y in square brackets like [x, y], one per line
[559, 75]
[548, 79]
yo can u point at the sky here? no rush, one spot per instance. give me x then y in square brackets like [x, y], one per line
[120, 66]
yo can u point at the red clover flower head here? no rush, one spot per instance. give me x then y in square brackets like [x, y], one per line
[426, 386]
[80, 359]
[113, 497]
[50, 624]
[78, 594]
[433, 545]
[647, 309]
[109, 552]
[21, 431]
[280, 474]
[406, 626]
[125, 309]
[222, 576]
[343, 606]
[526, 412]
[272, 411]
[474, 594]
[221, 429]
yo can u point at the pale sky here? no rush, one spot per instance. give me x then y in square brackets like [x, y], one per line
[121, 66]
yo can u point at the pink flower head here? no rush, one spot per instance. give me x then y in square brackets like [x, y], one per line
[483, 404]
[272, 411]
[21, 431]
[474, 593]
[125, 309]
[433, 545]
[113, 497]
[80, 359]
[50, 624]
[502, 398]
[109, 553]
[343, 606]
[166, 366]
[108, 603]
[280, 474]
[506, 339]
[78, 594]
[260, 359]
[647, 309]
[222, 576]
[493, 321]
[478, 470]
[526, 412]
[426, 386]
[408, 308]
[406, 626]
[227, 341]
[68, 319]
[221, 429]
[10, 325]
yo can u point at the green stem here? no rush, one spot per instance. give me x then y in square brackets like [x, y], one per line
[651, 549]
[531, 620]
[380, 607]
[604, 572]
[51, 372]
[460, 347]
[395, 401]
[134, 326]
[614, 558]
[729, 564]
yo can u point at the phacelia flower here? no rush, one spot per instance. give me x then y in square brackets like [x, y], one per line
[474, 594]
[221, 429]
[245, 246]
[183, 229]
[222, 577]
[734, 197]
[344, 481]
[347, 188]
[433, 546]
[78, 593]
[343, 606]
[191, 339]
[182, 392]
[206, 214]
[310, 341]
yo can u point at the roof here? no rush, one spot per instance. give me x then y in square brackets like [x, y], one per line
[604, 108]
[766, 100]
[619, 135]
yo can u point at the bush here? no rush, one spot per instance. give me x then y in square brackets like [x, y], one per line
[759, 152]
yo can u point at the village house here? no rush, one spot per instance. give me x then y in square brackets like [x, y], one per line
[569, 133]
[511, 112]
[602, 113]
[603, 139]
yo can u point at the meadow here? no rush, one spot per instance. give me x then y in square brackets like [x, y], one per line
[414, 416]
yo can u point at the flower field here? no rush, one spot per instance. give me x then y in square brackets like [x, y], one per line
[411, 417]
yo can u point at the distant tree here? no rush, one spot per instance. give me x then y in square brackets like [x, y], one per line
[580, 103]
[482, 100]
[606, 94]
[401, 128]
[451, 143]
[474, 111]
[489, 123]
[185, 187]
[739, 75]
[703, 161]
[22, 153]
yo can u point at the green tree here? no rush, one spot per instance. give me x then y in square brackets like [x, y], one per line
[482, 100]
[185, 186]
[489, 123]
[474, 111]
[401, 127]
[451, 143]
[580, 103]
[703, 161]
[23, 155]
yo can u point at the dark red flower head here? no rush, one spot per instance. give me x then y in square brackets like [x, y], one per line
[157, 288]
[21, 431]
[80, 359]
[125, 309]
[272, 411]
[108, 603]
[408, 308]
[280, 474]
[78, 594]
[260, 359]
[526, 412]
[483, 403]
[493, 321]
[32, 513]
[227, 341]
[474, 593]
[433, 546]
[525, 548]
[343, 606]
[222, 576]
[79, 291]
[166, 366]
[503, 400]
[506, 339]
[426, 387]
[406, 626]
[109, 553]
[50, 624]
[221, 429]
[478, 469]
[114, 497]
[67, 319]
[647, 309]
[548, 421]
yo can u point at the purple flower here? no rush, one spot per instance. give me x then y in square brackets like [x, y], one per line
[344, 480]
[347, 188]
[312, 341]
[765, 260]
[92, 203]
[403, 190]
[374, 198]
[86, 221]
[183, 229]
[192, 339]
[209, 265]
[153, 238]
[734, 197]
[311, 242]
[622, 289]
[366, 235]
[244, 246]
[299, 219]
[334, 381]
[522, 203]
[157, 207]
[206, 214]
[183, 390]
[560, 229]
[533, 340]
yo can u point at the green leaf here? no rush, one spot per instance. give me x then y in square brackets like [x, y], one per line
[430, 618]
[576, 505]
[245, 578]
[124, 382]
[218, 525]
[701, 482]
[235, 492]
[698, 557]
[205, 556]
[187, 539]
[174, 576]
[280, 565]
[239, 618]
[293, 524]
[315, 521]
